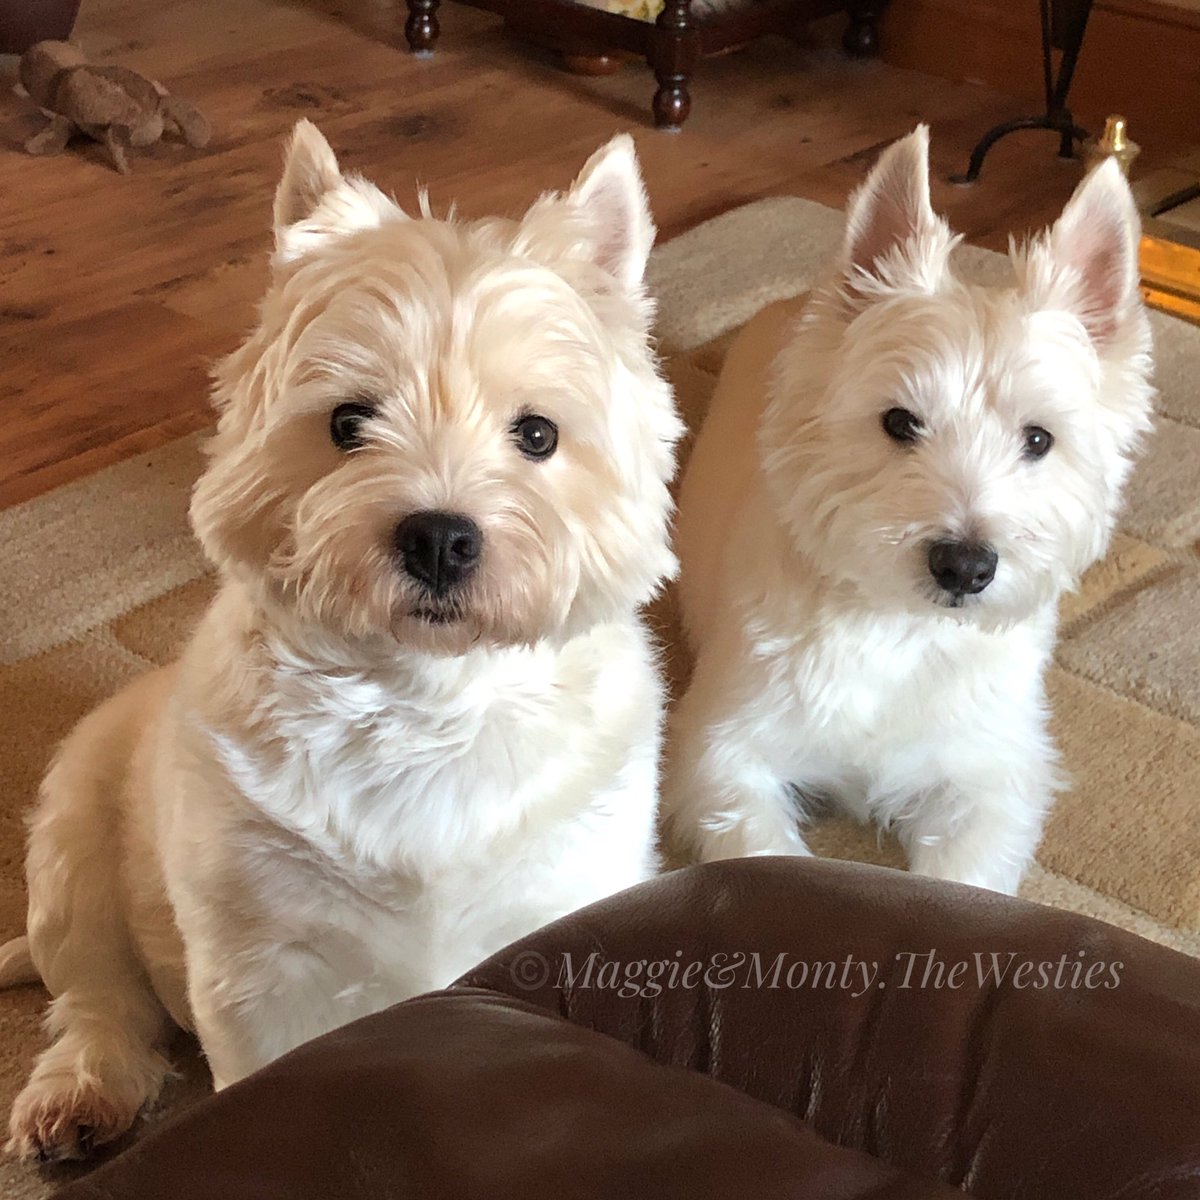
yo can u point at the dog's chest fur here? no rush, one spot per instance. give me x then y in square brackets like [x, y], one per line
[848, 696]
[424, 760]
[426, 808]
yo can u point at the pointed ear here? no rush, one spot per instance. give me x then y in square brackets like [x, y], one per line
[1095, 242]
[315, 202]
[310, 172]
[610, 194]
[891, 213]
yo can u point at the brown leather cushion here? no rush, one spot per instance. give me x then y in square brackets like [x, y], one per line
[510, 1086]
[470, 1094]
[1042, 1093]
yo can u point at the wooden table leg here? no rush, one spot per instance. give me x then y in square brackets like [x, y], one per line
[675, 51]
[861, 39]
[422, 28]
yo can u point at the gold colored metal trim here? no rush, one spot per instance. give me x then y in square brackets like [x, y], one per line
[1171, 275]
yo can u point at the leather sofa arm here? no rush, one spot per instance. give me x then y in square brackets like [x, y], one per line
[468, 1094]
[1074, 1073]
[807, 1080]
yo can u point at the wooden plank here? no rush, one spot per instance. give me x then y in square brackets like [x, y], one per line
[117, 293]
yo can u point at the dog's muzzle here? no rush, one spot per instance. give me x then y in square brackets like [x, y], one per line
[962, 568]
[438, 550]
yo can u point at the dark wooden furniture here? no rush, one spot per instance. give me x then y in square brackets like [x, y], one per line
[25, 22]
[672, 45]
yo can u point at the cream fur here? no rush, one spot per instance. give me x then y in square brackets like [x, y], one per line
[330, 803]
[829, 665]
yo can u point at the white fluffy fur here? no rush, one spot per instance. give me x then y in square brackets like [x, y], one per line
[330, 804]
[829, 666]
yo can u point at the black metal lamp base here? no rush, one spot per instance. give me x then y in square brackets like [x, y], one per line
[1069, 133]
[1064, 23]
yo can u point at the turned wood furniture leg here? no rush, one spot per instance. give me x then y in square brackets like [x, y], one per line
[675, 51]
[422, 28]
[861, 39]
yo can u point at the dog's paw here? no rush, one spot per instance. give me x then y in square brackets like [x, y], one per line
[947, 860]
[65, 1117]
[750, 838]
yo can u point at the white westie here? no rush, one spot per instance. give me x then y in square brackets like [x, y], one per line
[898, 479]
[422, 716]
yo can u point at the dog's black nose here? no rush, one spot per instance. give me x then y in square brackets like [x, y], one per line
[962, 568]
[438, 549]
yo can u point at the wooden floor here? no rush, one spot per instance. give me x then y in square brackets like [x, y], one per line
[116, 293]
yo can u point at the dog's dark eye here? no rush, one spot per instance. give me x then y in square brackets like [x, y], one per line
[901, 425]
[1037, 442]
[346, 422]
[536, 436]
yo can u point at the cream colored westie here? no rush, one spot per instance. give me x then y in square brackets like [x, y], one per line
[422, 716]
[897, 481]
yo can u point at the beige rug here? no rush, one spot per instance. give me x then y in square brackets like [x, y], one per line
[101, 580]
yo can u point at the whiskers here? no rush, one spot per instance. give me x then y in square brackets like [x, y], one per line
[1026, 534]
[437, 616]
[891, 536]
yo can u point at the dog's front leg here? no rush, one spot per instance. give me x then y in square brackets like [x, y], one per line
[247, 1015]
[983, 834]
[255, 1003]
[724, 797]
